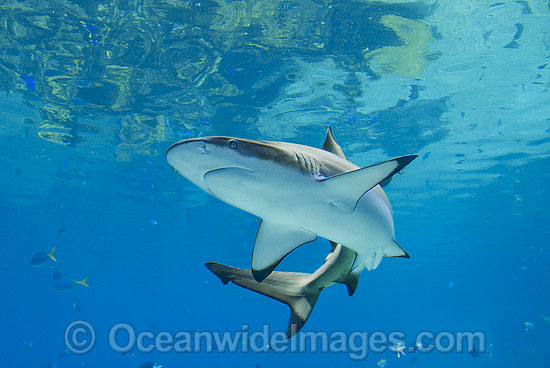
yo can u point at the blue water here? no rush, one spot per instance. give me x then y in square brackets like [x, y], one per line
[93, 95]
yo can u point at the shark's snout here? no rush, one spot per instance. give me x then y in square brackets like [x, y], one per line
[195, 157]
[185, 150]
[183, 154]
[186, 144]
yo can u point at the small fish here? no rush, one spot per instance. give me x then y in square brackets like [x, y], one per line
[66, 284]
[60, 232]
[475, 353]
[92, 31]
[382, 363]
[528, 325]
[39, 258]
[490, 350]
[62, 354]
[91, 28]
[398, 348]
[183, 133]
[56, 275]
[76, 306]
[150, 365]
[351, 120]
[546, 319]
[29, 82]
[373, 119]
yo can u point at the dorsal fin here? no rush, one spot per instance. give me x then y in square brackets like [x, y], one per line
[330, 145]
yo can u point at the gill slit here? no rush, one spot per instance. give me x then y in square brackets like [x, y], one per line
[308, 165]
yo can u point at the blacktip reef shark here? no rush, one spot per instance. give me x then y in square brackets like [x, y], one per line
[300, 192]
[299, 291]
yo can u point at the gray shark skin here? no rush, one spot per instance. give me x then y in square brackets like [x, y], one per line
[299, 291]
[300, 192]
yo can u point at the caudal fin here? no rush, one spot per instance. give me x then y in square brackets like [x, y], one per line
[83, 282]
[51, 255]
[286, 287]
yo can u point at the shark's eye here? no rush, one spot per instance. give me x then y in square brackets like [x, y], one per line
[232, 143]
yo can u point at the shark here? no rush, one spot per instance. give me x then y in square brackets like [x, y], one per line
[300, 193]
[299, 291]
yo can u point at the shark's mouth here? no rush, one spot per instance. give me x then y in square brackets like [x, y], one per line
[226, 169]
[222, 181]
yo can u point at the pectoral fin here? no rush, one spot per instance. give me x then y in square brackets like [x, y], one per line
[273, 243]
[354, 184]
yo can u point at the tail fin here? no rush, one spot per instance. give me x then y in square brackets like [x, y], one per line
[286, 287]
[83, 282]
[51, 255]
